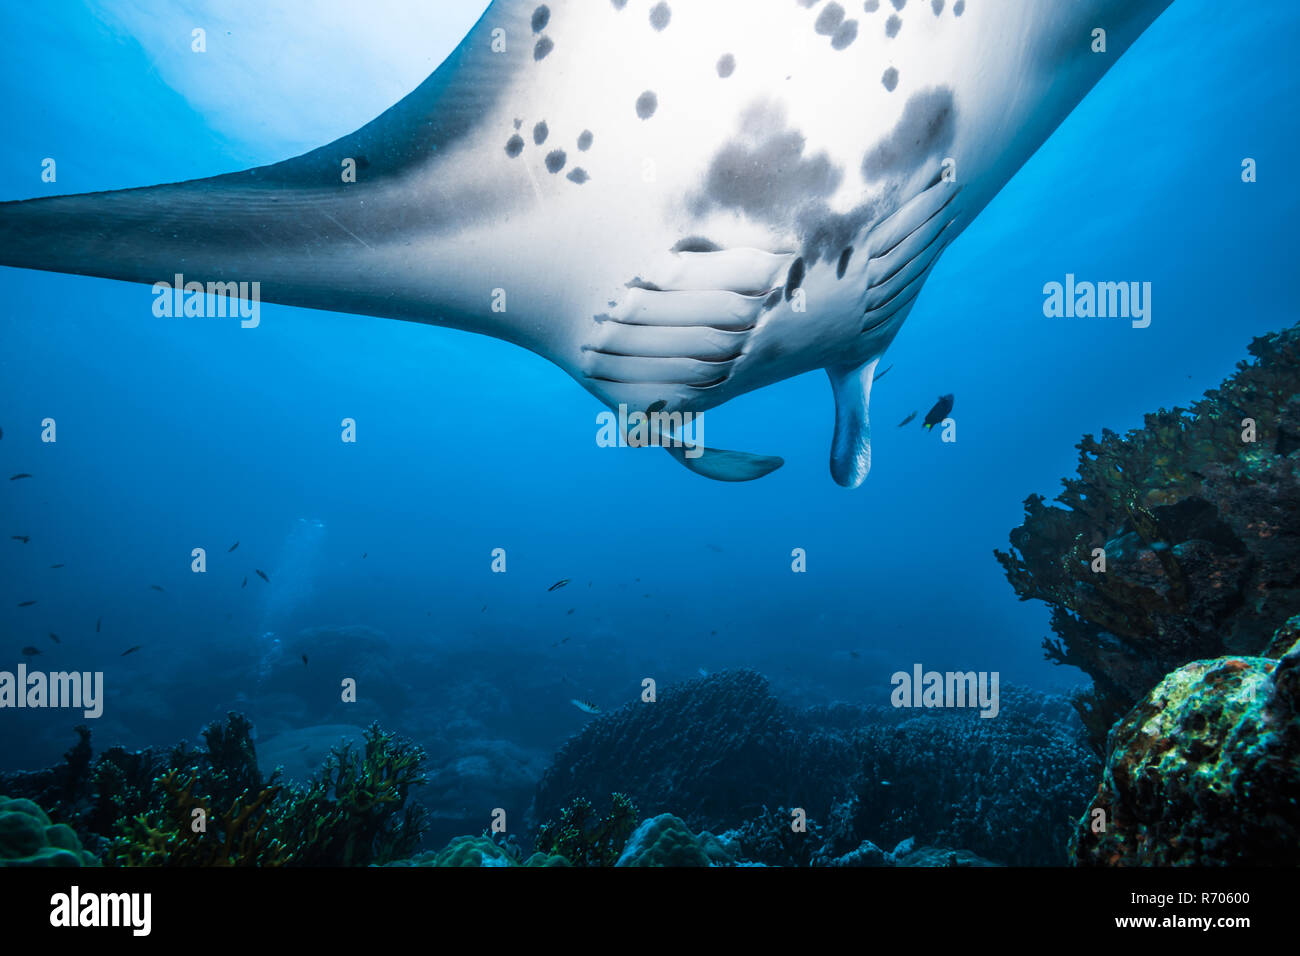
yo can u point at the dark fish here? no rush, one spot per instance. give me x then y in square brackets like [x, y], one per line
[877, 378]
[154, 587]
[854, 654]
[559, 584]
[363, 555]
[940, 411]
[22, 475]
[908, 420]
[26, 603]
[132, 650]
[56, 565]
[55, 638]
[559, 642]
[304, 660]
[2, 431]
[232, 547]
[245, 584]
[98, 621]
[572, 609]
[262, 574]
[24, 538]
[484, 608]
[30, 651]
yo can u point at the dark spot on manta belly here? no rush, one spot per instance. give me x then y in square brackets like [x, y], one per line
[959, 8]
[829, 20]
[843, 266]
[795, 279]
[871, 6]
[544, 46]
[514, 146]
[845, 35]
[541, 17]
[540, 132]
[772, 300]
[619, 4]
[660, 16]
[936, 6]
[578, 175]
[925, 128]
[726, 65]
[893, 25]
[555, 160]
[696, 244]
[639, 283]
[585, 140]
[646, 104]
[898, 4]
[890, 79]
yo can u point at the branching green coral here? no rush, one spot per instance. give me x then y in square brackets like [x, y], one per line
[586, 839]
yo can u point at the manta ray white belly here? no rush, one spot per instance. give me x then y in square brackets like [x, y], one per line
[674, 202]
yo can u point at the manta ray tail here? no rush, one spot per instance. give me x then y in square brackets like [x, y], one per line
[851, 446]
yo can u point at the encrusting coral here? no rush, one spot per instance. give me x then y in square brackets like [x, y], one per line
[1206, 770]
[28, 838]
[1197, 518]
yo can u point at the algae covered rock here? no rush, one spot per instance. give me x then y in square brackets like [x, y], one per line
[1204, 772]
[28, 838]
[666, 841]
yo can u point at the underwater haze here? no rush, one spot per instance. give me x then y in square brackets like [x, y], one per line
[373, 560]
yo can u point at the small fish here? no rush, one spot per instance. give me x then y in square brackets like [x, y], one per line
[559, 642]
[21, 475]
[484, 608]
[559, 584]
[132, 650]
[98, 621]
[703, 672]
[24, 538]
[908, 420]
[940, 411]
[55, 638]
[2, 431]
[232, 547]
[154, 587]
[56, 565]
[572, 609]
[877, 378]
[363, 555]
[304, 660]
[262, 574]
[30, 651]
[854, 654]
[586, 706]
[886, 783]
[714, 547]
[26, 603]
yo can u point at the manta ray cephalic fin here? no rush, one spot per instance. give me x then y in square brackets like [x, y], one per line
[722, 465]
[851, 446]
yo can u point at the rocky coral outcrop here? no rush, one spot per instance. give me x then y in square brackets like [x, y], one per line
[1205, 771]
[28, 838]
[1198, 516]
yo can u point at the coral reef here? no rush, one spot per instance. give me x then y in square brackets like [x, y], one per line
[666, 841]
[586, 839]
[480, 851]
[28, 838]
[213, 807]
[1002, 788]
[1205, 771]
[1198, 514]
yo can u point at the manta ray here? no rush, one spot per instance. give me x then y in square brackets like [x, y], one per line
[676, 202]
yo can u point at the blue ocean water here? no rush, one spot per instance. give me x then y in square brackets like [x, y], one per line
[193, 434]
